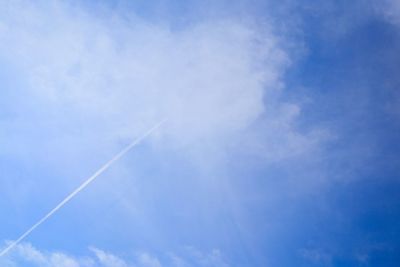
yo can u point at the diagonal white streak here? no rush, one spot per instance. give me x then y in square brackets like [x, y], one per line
[81, 187]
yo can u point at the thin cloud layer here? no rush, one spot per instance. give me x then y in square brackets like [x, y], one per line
[25, 253]
[80, 84]
[391, 10]
[110, 78]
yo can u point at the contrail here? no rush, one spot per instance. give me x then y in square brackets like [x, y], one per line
[81, 187]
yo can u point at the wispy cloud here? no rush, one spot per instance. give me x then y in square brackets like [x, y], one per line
[390, 10]
[108, 259]
[81, 83]
[25, 253]
[82, 186]
[213, 79]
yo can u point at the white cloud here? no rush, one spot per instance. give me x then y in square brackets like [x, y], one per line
[213, 258]
[143, 259]
[85, 83]
[109, 78]
[146, 260]
[108, 259]
[25, 253]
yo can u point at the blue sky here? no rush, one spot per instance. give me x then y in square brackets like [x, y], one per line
[280, 149]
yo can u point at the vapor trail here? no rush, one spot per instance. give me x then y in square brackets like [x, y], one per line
[82, 186]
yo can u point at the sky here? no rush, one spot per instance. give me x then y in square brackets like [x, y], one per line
[280, 146]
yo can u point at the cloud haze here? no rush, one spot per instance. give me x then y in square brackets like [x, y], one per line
[209, 78]
[25, 253]
[391, 10]
[280, 147]
[87, 83]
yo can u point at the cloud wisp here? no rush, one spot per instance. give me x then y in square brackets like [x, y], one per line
[26, 253]
[91, 78]
[82, 186]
